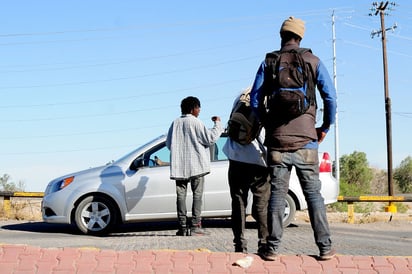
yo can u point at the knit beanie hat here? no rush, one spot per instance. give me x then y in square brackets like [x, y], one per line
[295, 25]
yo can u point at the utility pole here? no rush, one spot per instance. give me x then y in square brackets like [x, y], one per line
[337, 160]
[380, 8]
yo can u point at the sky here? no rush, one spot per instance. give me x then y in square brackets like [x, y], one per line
[83, 83]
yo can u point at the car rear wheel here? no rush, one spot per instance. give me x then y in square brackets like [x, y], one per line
[290, 211]
[95, 215]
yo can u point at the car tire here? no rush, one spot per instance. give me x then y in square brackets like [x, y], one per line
[290, 211]
[95, 215]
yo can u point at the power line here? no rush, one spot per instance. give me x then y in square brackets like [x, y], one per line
[120, 98]
[132, 60]
[169, 25]
[67, 150]
[54, 118]
[146, 27]
[135, 76]
[403, 114]
[25, 137]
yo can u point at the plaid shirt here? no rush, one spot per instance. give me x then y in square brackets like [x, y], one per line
[189, 140]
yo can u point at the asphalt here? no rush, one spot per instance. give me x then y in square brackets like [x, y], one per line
[30, 259]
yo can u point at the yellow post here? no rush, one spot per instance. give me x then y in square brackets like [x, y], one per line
[391, 208]
[6, 206]
[351, 215]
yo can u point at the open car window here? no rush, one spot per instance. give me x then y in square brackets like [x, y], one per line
[160, 155]
[216, 150]
[157, 156]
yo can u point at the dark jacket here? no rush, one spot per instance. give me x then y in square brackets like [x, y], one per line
[297, 133]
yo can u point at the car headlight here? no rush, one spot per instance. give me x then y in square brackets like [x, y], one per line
[59, 185]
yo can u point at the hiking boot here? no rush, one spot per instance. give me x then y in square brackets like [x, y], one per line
[183, 232]
[241, 249]
[198, 231]
[328, 255]
[261, 248]
[267, 254]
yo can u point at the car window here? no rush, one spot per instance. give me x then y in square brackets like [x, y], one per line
[216, 151]
[160, 155]
[156, 156]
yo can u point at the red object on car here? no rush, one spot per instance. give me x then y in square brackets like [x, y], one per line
[325, 164]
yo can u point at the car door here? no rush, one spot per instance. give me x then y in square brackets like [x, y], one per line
[149, 191]
[217, 201]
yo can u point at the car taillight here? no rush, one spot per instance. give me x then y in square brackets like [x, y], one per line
[325, 164]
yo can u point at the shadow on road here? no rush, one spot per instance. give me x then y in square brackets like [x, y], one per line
[42, 227]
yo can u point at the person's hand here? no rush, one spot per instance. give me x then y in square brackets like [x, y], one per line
[215, 118]
[321, 134]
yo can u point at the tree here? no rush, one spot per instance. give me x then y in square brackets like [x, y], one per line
[10, 186]
[356, 175]
[379, 182]
[403, 175]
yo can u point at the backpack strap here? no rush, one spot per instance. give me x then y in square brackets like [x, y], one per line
[310, 93]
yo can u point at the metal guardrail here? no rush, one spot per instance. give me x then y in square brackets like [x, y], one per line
[390, 208]
[21, 194]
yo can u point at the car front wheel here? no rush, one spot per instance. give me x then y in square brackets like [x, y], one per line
[290, 211]
[95, 215]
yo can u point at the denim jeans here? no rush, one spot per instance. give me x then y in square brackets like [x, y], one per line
[306, 163]
[242, 178]
[196, 185]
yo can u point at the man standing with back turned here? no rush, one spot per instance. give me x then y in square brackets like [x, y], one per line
[248, 171]
[189, 140]
[294, 142]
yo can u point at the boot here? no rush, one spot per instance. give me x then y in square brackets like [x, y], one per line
[183, 231]
[197, 230]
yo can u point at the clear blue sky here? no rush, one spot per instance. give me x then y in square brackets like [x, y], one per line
[85, 82]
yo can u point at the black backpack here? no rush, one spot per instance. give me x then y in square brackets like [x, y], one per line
[243, 125]
[288, 83]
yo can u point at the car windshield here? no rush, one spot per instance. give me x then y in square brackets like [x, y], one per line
[142, 147]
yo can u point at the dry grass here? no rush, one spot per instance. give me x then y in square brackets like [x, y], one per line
[23, 209]
[376, 218]
[376, 215]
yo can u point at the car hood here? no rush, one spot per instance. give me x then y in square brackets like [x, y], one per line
[88, 172]
[80, 174]
[87, 176]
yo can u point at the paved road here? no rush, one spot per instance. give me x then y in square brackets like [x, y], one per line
[392, 238]
[37, 247]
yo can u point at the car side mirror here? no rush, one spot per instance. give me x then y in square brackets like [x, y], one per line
[136, 164]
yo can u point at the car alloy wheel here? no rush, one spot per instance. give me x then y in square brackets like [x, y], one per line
[95, 215]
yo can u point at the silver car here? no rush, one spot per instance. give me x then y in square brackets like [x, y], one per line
[137, 188]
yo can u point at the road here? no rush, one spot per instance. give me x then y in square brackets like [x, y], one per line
[383, 238]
